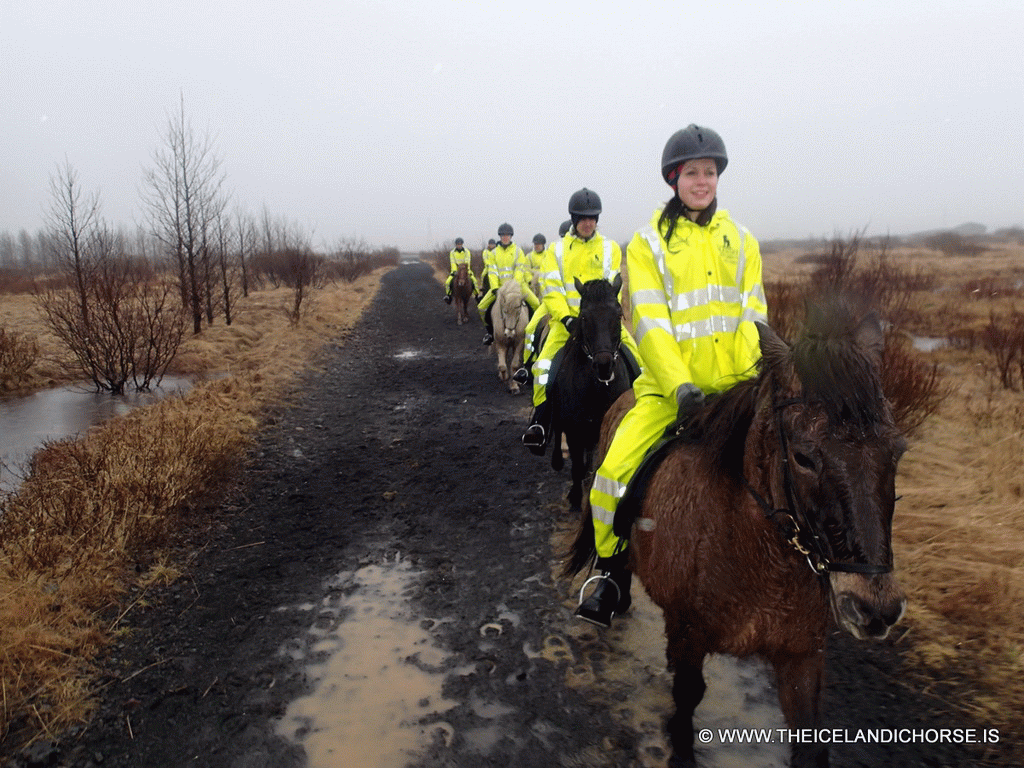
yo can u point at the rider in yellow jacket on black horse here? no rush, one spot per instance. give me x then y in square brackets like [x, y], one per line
[585, 254]
[696, 292]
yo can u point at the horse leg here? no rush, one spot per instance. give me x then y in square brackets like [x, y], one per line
[578, 463]
[688, 687]
[801, 683]
[499, 348]
[517, 361]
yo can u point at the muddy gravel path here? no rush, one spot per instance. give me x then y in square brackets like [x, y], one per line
[383, 592]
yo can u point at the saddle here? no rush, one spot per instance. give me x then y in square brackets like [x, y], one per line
[684, 431]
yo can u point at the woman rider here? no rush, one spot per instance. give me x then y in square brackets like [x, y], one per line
[696, 292]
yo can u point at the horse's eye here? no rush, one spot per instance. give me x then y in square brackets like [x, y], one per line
[804, 461]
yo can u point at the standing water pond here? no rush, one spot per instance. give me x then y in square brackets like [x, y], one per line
[28, 422]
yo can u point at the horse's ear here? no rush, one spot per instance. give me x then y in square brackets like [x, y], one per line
[870, 337]
[579, 285]
[775, 351]
[617, 283]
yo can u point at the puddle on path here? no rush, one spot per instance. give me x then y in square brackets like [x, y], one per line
[629, 659]
[377, 675]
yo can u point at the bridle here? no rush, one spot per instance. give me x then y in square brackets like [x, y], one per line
[795, 524]
[585, 348]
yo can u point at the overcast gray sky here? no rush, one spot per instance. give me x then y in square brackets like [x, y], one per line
[410, 123]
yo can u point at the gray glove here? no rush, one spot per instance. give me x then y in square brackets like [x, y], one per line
[688, 399]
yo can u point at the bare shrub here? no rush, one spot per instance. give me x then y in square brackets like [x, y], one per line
[305, 271]
[18, 353]
[122, 329]
[914, 387]
[350, 258]
[955, 244]
[1003, 339]
[785, 306]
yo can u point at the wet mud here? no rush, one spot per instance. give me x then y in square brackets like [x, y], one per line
[383, 591]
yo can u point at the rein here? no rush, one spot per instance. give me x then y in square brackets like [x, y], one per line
[792, 521]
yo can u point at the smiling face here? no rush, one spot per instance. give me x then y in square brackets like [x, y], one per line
[697, 184]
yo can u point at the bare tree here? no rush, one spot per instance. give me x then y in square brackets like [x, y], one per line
[184, 195]
[247, 237]
[73, 220]
[109, 310]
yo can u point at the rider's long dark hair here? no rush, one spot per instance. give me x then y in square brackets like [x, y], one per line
[674, 208]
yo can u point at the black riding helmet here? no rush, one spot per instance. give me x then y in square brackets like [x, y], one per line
[564, 227]
[584, 204]
[505, 229]
[539, 239]
[458, 241]
[690, 143]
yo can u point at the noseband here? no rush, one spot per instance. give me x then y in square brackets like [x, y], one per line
[793, 522]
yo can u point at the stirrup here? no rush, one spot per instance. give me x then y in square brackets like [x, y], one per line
[488, 339]
[593, 614]
[535, 439]
[447, 299]
[600, 577]
[521, 376]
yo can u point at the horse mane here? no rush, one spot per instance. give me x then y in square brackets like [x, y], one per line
[834, 371]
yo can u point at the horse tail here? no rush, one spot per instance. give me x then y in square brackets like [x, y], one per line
[583, 549]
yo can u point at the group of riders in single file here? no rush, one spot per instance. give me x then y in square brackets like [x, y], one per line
[695, 290]
[724, 460]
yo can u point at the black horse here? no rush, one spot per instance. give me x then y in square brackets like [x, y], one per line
[588, 375]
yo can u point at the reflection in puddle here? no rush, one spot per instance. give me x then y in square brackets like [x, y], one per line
[377, 672]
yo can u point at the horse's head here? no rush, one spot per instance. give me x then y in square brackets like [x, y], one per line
[838, 449]
[511, 304]
[599, 325]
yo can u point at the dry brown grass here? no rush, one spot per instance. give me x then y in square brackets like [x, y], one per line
[93, 512]
[959, 527]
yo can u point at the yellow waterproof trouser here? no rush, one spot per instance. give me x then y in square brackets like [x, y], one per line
[640, 428]
[485, 303]
[531, 330]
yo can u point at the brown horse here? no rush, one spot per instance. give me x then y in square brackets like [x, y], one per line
[773, 511]
[462, 289]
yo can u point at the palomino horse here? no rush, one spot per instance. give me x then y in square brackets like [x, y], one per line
[777, 513]
[509, 316]
[462, 289]
[591, 375]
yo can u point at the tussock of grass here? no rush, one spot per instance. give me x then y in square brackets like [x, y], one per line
[90, 510]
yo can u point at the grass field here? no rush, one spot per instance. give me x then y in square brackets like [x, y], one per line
[959, 526]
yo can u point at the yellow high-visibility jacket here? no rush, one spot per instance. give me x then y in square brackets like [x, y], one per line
[695, 300]
[570, 258]
[459, 256]
[506, 261]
